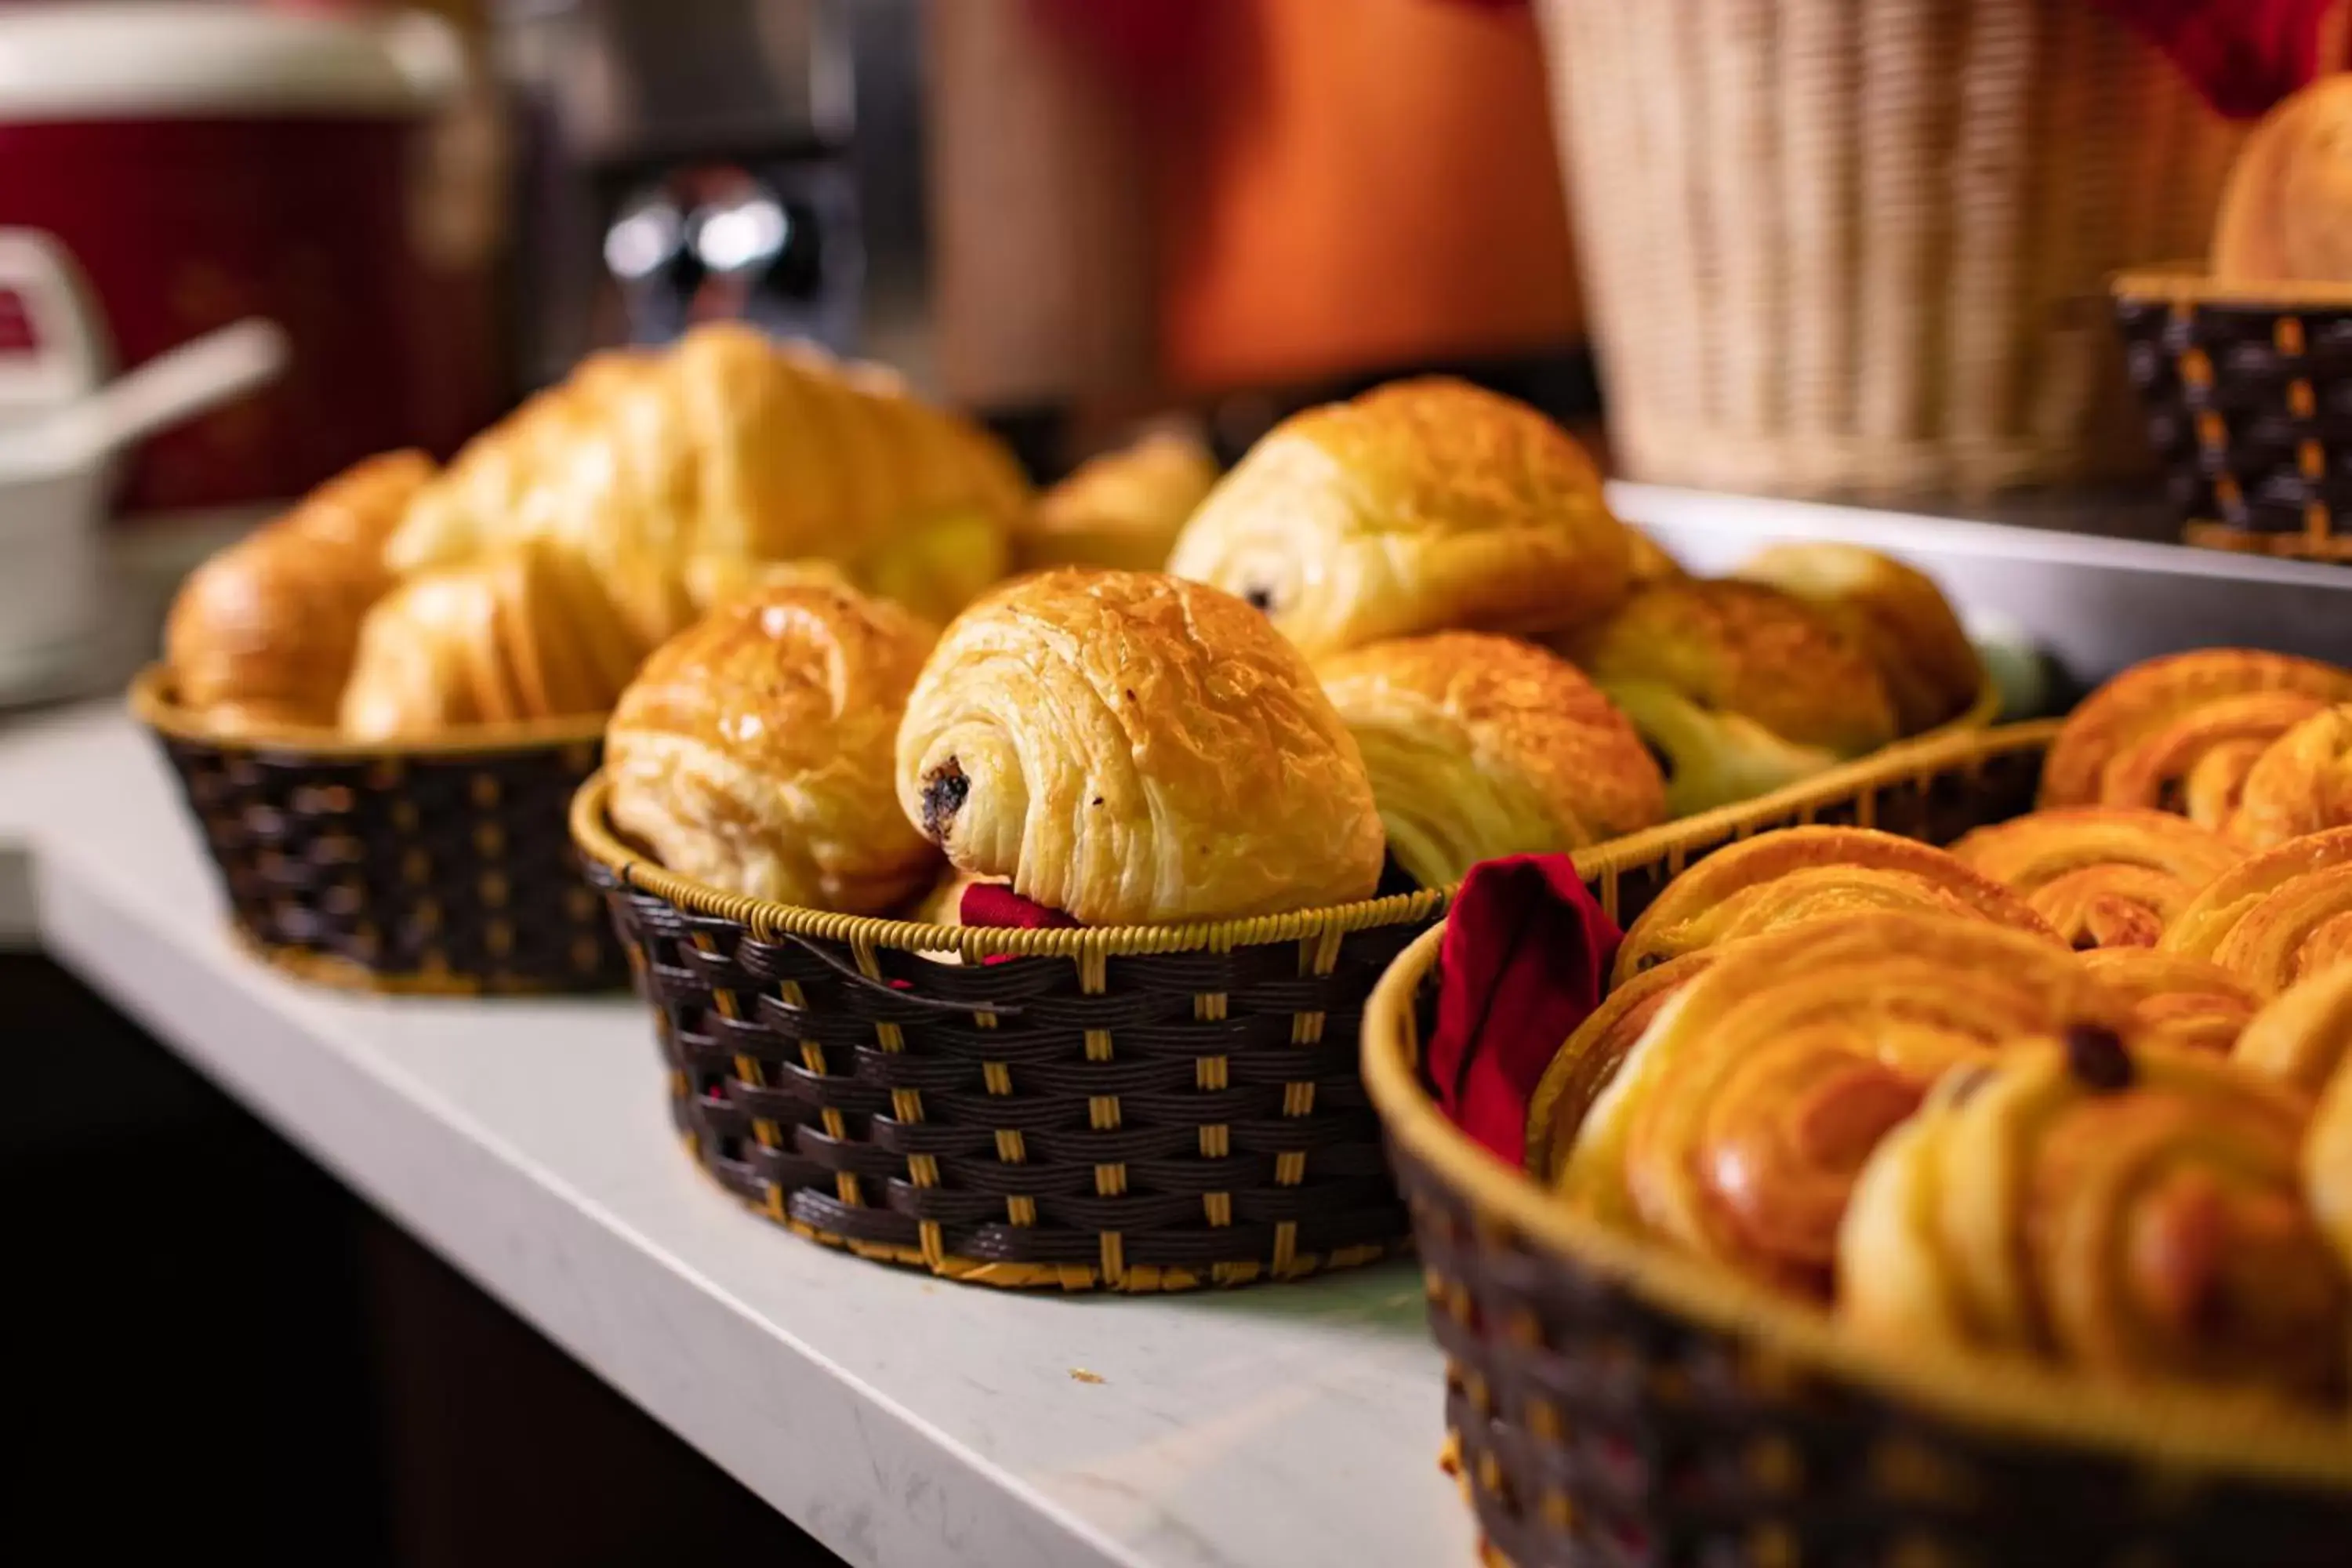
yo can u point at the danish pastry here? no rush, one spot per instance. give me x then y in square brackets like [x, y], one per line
[1799, 875]
[1739, 688]
[2184, 1002]
[2134, 1211]
[1481, 746]
[1737, 1124]
[2180, 732]
[2276, 917]
[522, 633]
[1895, 614]
[1123, 508]
[753, 752]
[2102, 876]
[1421, 506]
[1130, 747]
[262, 633]
[2302, 1034]
[2301, 784]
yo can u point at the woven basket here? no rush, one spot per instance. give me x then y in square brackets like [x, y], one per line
[2247, 394]
[1862, 245]
[1613, 1401]
[439, 866]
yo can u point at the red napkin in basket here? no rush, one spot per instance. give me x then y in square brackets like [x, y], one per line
[994, 904]
[1526, 956]
[2243, 56]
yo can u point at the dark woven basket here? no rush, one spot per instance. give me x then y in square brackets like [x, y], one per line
[2249, 401]
[1614, 1402]
[440, 867]
[1141, 1109]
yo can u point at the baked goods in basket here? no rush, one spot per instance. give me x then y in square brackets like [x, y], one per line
[524, 632]
[1799, 875]
[2303, 1039]
[733, 445]
[1580, 1070]
[2179, 733]
[2102, 876]
[2286, 212]
[1122, 509]
[1740, 689]
[1423, 505]
[2301, 782]
[1894, 613]
[753, 752]
[1481, 746]
[2277, 917]
[263, 631]
[2187, 1001]
[1737, 1125]
[1130, 747]
[2132, 1210]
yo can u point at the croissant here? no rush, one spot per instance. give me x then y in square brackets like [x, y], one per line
[2184, 1002]
[2300, 784]
[2276, 917]
[1740, 689]
[1737, 1125]
[2180, 732]
[1420, 506]
[1123, 508]
[523, 633]
[1481, 746]
[2302, 1034]
[1895, 613]
[1127, 747]
[2102, 876]
[754, 751]
[728, 444]
[1581, 1068]
[1797, 874]
[2134, 1211]
[262, 633]
[2282, 217]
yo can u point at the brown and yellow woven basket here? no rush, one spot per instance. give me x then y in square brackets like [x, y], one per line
[2246, 392]
[439, 866]
[1615, 1401]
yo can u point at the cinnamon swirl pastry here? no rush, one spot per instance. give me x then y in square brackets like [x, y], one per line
[2303, 1035]
[1420, 506]
[2301, 784]
[1128, 747]
[1737, 1125]
[2134, 1212]
[1481, 746]
[2178, 733]
[1802, 874]
[2102, 876]
[1593, 1054]
[2184, 1002]
[2276, 917]
[1895, 613]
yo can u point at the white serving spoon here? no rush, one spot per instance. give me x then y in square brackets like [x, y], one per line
[177, 384]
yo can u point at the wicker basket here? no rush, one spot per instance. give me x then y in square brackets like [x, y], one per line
[1615, 1401]
[1862, 245]
[2245, 392]
[440, 867]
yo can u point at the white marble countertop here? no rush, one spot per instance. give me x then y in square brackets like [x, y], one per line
[900, 1420]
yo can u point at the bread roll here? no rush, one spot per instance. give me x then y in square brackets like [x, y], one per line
[1481, 746]
[1421, 506]
[1123, 508]
[753, 752]
[1131, 748]
[1892, 612]
[2286, 211]
[264, 632]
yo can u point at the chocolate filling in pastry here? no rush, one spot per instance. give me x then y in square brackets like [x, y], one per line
[1259, 599]
[944, 793]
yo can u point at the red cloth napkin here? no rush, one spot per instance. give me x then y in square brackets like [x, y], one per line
[994, 904]
[2243, 56]
[1527, 952]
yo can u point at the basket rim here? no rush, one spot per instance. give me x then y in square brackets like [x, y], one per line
[155, 703]
[592, 832]
[2168, 1427]
[2188, 282]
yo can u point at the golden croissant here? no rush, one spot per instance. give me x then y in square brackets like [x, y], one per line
[2133, 1211]
[1122, 509]
[1738, 1123]
[1420, 506]
[2299, 784]
[522, 633]
[1799, 875]
[728, 445]
[2102, 876]
[1895, 613]
[1580, 1069]
[1130, 747]
[1740, 689]
[2276, 917]
[754, 751]
[1481, 746]
[264, 631]
[2178, 733]
[2185, 1002]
